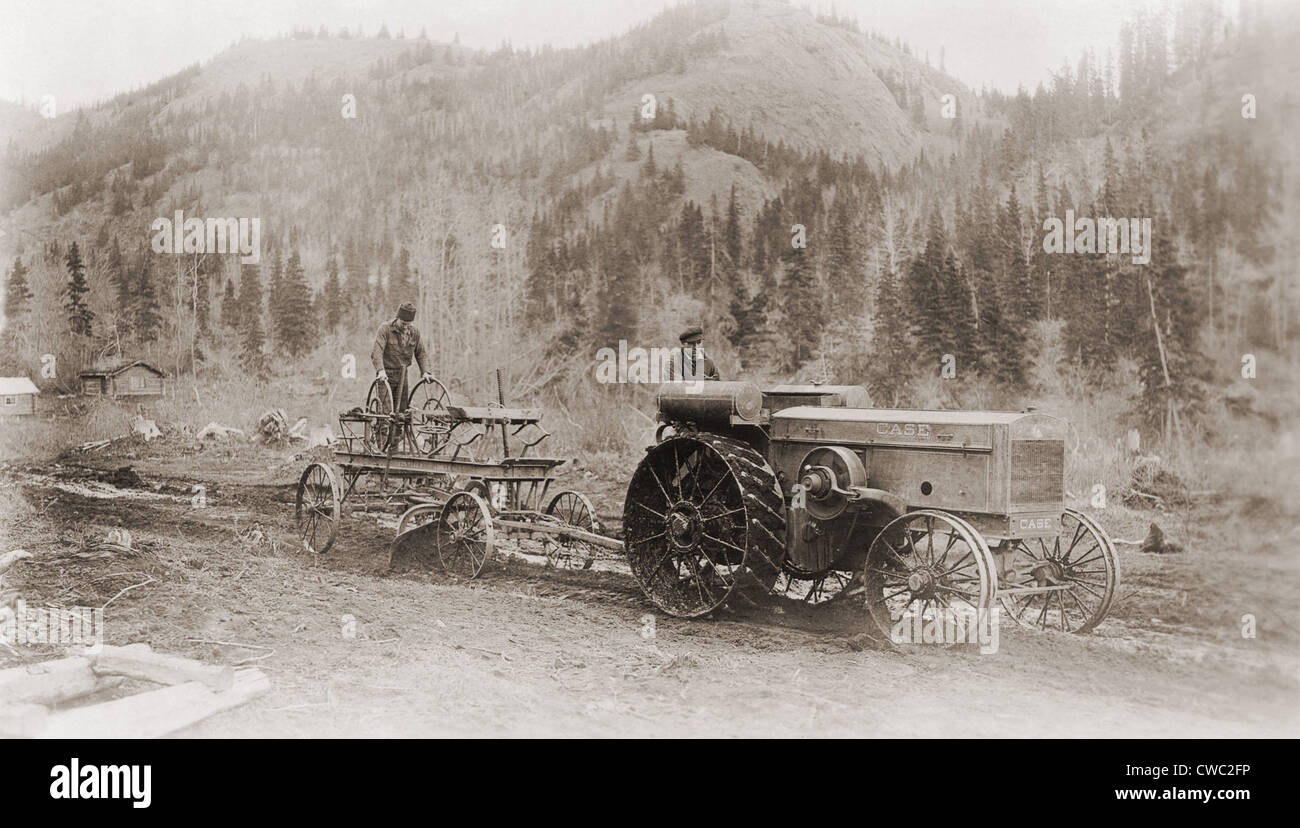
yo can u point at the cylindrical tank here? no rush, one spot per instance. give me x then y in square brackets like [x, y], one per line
[705, 401]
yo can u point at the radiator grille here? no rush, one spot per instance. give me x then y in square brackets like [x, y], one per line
[1037, 471]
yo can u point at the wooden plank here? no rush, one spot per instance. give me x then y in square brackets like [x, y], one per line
[22, 720]
[155, 713]
[138, 661]
[48, 682]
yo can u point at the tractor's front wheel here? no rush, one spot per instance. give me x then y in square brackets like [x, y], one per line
[929, 567]
[1065, 583]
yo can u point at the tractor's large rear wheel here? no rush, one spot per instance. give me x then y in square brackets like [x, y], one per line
[703, 520]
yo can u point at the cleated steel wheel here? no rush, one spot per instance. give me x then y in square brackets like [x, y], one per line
[1080, 563]
[318, 507]
[563, 552]
[703, 520]
[926, 563]
[465, 539]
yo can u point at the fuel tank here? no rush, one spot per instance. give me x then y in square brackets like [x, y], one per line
[714, 403]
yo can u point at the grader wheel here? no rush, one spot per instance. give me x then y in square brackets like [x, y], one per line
[703, 521]
[318, 507]
[564, 552]
[465, 537]
[429, 434]
[379, 400]
[1081, 561]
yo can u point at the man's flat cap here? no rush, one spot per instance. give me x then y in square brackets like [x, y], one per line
[692, 334]
[406, 312]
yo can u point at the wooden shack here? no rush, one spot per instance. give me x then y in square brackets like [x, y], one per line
[17, 396]
[129, 379]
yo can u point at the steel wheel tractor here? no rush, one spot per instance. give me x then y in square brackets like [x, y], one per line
[922, 510]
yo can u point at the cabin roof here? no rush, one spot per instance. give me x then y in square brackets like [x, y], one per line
[114, 370]
[9, 386]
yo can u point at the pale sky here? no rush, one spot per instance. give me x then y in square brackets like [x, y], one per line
[86, 50]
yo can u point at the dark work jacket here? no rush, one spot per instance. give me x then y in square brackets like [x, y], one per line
[393, 349]
[687, 357]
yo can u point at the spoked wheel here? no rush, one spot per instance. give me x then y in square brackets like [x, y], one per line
[1080, 562]
[416, 544]
[933, 565]
[318, 508]
[465, 538]
[379, 400]
[570, 509]
[703, 518]
[429, 427]
[812, 587]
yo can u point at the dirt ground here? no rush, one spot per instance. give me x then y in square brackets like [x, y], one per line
[527, 650]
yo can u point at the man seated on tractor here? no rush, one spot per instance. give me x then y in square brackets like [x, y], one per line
[395, 343]
[694, 363]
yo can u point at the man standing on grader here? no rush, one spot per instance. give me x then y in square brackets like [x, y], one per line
[395, 344]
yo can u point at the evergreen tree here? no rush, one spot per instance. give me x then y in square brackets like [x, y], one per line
[693, 247]
[954, 313]
[618, 297]
[999, 345]
[891, 348]
[230, 307]
[732, 233]
[741, 314]
[251, 339]
[333, 295]
[767, 340]
[1083, 304]
[275, 298]
[80, 317]
[923, 287]
[146, 315]
[295, 323]
[1019, 302]
[846, 276]
[806, 309]
[120, 278]
[17, 291]
[205, 267]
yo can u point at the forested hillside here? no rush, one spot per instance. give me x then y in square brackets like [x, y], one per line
[799, 185]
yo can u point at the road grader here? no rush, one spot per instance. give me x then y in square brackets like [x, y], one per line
[923, 511]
